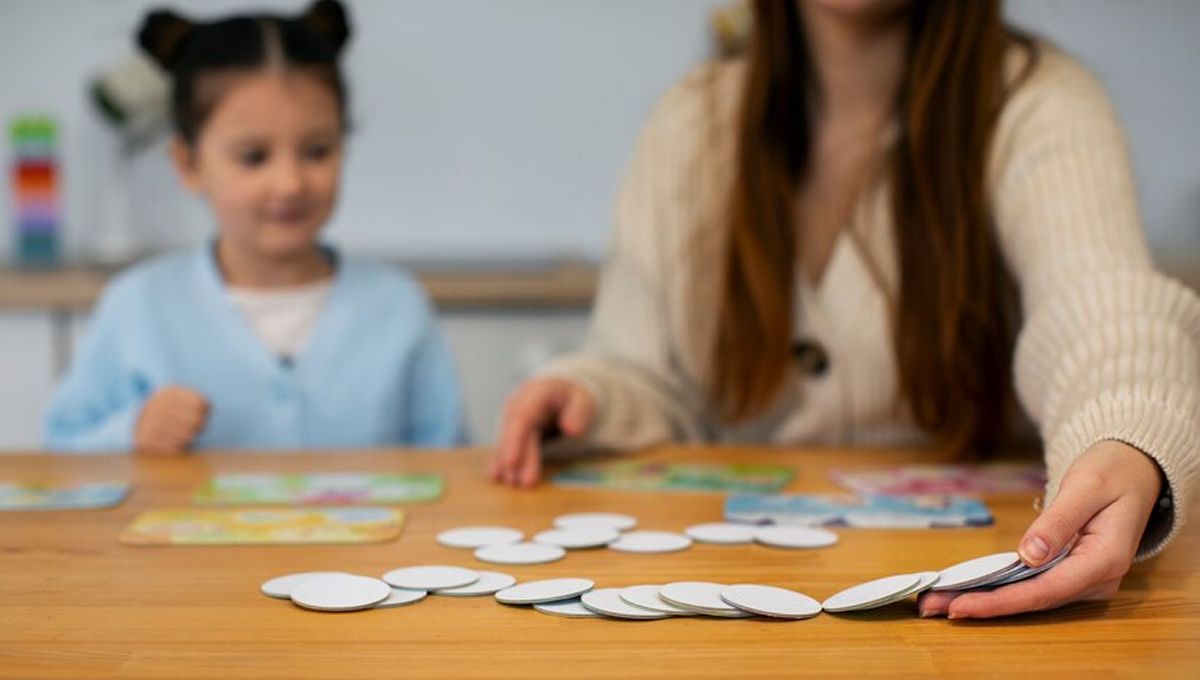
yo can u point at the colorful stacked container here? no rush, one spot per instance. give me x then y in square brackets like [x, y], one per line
[35, 183]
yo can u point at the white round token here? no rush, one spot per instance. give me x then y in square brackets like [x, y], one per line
[723, 533]
[963, 573]
[572, 609]
[281, 586]
[430, 578]
[928, 579]
[651, 542]
[701, 597]
[607, 601]
[340, 592]
[489, 583]
[795, 537]
[520, 553]
[549, 590]
[477, 537]
[647, 597]
[593, 520]
[573, 539]
[872, 593]
[400, 597]
[779, 603]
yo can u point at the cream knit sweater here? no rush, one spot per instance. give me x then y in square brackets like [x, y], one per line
[1108, 348]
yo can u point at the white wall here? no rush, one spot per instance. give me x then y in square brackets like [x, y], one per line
[485, 128]
[499, 128]
[1147, 53]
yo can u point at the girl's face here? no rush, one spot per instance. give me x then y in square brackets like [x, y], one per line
[267, 160]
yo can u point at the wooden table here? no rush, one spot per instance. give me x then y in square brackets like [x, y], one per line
[76, 603]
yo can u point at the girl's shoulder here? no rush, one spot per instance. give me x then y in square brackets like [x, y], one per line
[384, 285]
[155, 277]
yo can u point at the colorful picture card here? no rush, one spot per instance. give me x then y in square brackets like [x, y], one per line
[993, 478]
[643, 476]
[263, 526]
[325, 488]
[27, 495]
[866, 511]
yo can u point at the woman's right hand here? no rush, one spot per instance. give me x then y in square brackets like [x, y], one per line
[538, 407]
[170, 421]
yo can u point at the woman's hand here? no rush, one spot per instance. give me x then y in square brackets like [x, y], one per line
[537, 407]
[170, 421]
[1105, 498]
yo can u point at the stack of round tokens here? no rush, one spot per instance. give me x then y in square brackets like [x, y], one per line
[341, 591]
[541, 592]
[880, 592]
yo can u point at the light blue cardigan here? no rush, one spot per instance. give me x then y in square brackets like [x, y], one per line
[375, 372]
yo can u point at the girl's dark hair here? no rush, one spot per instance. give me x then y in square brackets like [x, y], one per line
[954, 313]
[193, 52]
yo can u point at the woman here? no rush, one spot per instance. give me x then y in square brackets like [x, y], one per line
[855, 234]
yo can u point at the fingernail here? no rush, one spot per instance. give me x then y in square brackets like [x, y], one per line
[929, 613]
[1034, 549]
[952, 616]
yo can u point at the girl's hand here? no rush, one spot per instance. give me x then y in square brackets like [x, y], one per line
[170, 421]
[1105, 498]
[538, 407]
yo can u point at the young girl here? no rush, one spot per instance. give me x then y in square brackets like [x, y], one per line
[263, 337]
[824, 241]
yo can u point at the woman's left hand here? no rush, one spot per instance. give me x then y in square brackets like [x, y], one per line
[1105, 498]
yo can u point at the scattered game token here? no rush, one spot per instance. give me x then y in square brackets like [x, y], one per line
[402, 596]
[872, 594]
[489, 583]
[477, 537]
[573, 539]
[970, 573]
[430, 577]
[549, 590]
[701, 597]
[647, 597]
[572, 609]
[593, 520]
[281, 586]
[723, 533]
[520, 553]
[927, 581]
[607, 601]
[340, 592]
[651, 542]
[795, 537]
[770, 601]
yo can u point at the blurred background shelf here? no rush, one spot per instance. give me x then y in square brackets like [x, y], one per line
[534, 284]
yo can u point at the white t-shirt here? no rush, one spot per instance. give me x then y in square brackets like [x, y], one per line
[284, 318]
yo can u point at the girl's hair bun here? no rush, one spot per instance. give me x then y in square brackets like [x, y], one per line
[164, 35]
[327, 19]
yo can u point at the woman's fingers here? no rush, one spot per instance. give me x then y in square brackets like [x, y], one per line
[531, 464]
[935, 603]
[1069, 581]
[1080, 498]
[576, 415]
[534, 407]
[530, 407]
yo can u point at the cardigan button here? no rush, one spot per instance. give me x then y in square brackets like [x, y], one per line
[811, 357]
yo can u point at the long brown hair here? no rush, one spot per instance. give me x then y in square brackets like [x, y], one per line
[954, 310]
